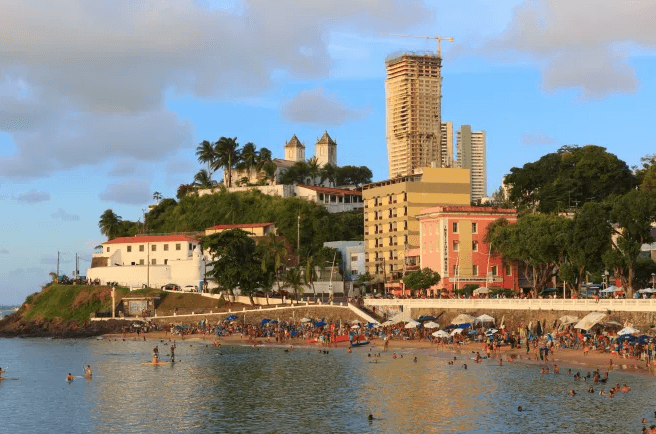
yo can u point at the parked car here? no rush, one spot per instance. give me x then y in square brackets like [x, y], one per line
[171, 287]
[190, 288]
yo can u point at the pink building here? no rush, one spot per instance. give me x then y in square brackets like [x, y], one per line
[451, 243]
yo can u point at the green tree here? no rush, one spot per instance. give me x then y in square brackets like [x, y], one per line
[273, 252]
[203, 180]
[235, 262]
[634, 214]
[294, 280]
[183, 189]
[645, 275]
[157, 196]
[310, 274]
[569, 177]
[353, 175]
[298, 173]
[364, 280]
[248, 159]
[110, 224]
[227, 156]
[421, 280]
[269, 168]
[329, 172]
[206, 154]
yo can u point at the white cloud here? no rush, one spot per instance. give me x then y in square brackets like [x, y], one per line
[33, 196]
[131, 192]
[64, 216]
[85, 80]
[580, 44]
[537, 138]
[319, 107]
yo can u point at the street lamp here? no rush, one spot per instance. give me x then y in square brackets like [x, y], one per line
[653, 278]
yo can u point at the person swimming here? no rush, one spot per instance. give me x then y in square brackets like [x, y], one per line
[2, 371]
[70, 377]
[572, 392]
[519, 408]
[464, 365]
[87, 371]
[590, 389]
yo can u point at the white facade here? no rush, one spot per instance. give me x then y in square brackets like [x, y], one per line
[153, 261]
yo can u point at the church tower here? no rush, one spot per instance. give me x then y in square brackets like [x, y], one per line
[326, 150]
[294, 150]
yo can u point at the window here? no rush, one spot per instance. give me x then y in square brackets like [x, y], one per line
[455, 227]
[166, 261]
[166, 247]
[129, 249]
[354, 258]
[141, 261]
[178, 246]
[474, 228]
[430, 229]
[430, 247]
[474, 246]
[191, 246]
[107, 249]
[508, 270]
[141, 248]
[354, 272]
[405, 239]
[153, 247]
[494, 271]
[455, 270]
[475, 270]
[153, 261]
[405, 225]
[455, 246]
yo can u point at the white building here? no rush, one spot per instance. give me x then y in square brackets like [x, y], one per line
[151, 260]
[471, 155]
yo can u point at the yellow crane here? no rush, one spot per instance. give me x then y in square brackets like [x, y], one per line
[438, 38]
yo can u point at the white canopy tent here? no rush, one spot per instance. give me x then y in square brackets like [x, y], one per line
[481, 290]
[463, 318]
[628, 331]
[456, 332]
[590, 320]
[412, 324]
[485, 319]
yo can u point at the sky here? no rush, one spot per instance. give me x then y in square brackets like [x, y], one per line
[103, 102]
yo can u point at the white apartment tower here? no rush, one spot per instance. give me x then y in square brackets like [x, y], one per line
[446, 144]
[470, 146]
[413, 92]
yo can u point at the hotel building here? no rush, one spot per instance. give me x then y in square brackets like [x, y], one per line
[470, 146]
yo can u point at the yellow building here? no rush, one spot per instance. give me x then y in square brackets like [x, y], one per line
[253, 229]
[390, 213]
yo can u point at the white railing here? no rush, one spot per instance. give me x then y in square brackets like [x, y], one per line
[586, 305]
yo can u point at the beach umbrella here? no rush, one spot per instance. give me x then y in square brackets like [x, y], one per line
[485, 319]
[371, 325]
[275, 321]
[319, 324]
[355, 321]
[412, 324]
[456, 332]
[431, 325]
[355, 327]
[306, 319]
[463, 318]
[426, 318]
[441, 334]
[628, 331]
[491, 332]
[231, 318]
[590, 320]
[264, 321]
[481, 290]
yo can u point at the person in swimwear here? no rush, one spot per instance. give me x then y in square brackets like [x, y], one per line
[155, 354]
[87, 372]
[2, 371]
[70, 377]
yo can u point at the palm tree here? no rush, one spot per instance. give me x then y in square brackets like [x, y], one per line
[53, 276]
[109, 224]
[294, 280]
[313, 169]
[329, 172]
[227, 152]
[249, 156]
[270, 170]
[157, 196]
[202, 179]
[206, 154]
[310, 274]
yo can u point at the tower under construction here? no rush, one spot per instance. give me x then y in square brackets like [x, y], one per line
[413, 93]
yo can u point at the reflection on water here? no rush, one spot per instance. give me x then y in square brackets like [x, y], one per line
[241, 389]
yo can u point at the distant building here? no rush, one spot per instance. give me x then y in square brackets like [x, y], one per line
[446, 144]
[390, 217]
[253, 229]
[413, 92]
[352, 257]
[452, 243]
[152, 260]
[471, 155]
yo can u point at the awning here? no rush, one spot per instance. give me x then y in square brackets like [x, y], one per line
[590, 320]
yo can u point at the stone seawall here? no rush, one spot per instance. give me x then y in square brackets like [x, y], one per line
[517, 318]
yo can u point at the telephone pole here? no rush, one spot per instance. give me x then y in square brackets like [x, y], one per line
[57, 278]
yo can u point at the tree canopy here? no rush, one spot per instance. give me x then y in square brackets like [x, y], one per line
[421, 280]
[569, 178]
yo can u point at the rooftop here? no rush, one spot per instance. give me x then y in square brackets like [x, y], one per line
[333, 191]
[242, 226]
[152, 239]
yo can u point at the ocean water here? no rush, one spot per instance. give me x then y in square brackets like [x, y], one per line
[266, 390]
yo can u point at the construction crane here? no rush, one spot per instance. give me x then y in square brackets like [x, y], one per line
[438, 38]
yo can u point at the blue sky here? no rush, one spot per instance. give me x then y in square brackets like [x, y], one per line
[103, 102]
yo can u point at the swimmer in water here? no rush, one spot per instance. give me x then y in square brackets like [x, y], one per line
[87, 371]
[2, 371]
[571, 392]
[464, 365]
[70, 377]
[590, 390]
[519, 408]
[394, 355]
[556, 369]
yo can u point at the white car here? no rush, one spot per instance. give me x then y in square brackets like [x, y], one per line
[190, 288]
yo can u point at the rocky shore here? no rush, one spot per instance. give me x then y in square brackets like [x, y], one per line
[15, 325]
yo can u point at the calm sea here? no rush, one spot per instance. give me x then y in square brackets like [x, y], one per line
[266, 390]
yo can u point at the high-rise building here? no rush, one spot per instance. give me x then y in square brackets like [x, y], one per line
[470, 146]
[446, 144]
[413, 92]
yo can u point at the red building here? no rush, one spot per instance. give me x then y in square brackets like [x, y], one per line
[452, 243]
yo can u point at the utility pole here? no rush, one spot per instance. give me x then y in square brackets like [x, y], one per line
[298, 240]
[57, 278]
